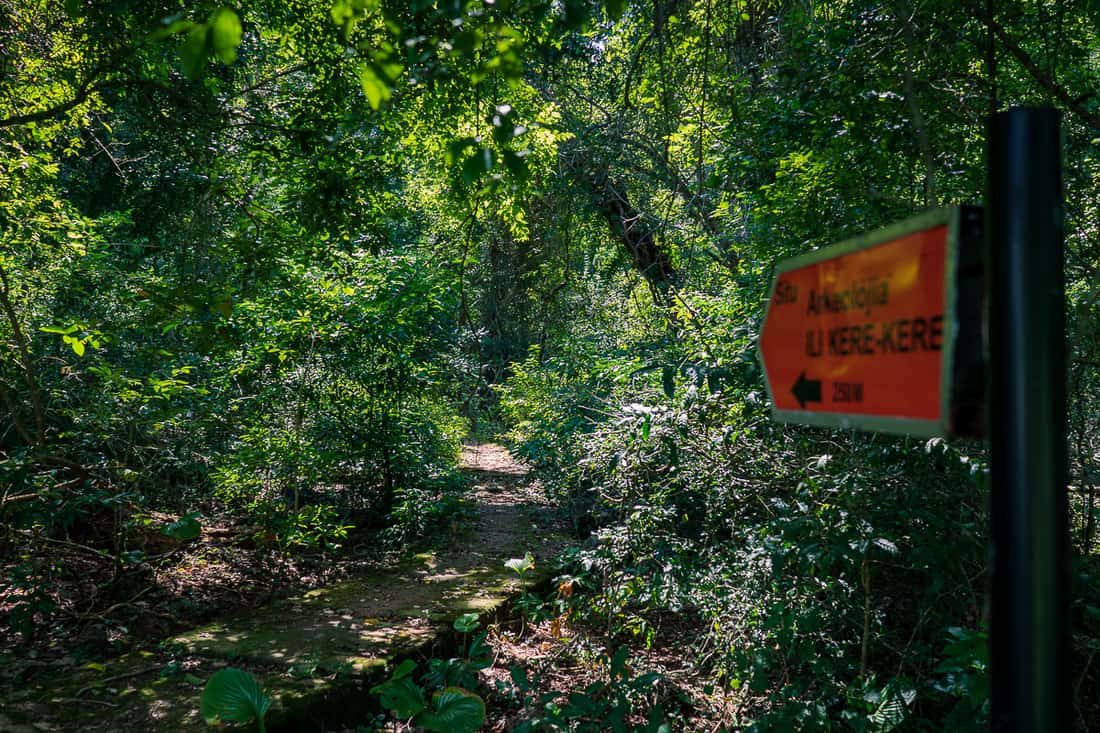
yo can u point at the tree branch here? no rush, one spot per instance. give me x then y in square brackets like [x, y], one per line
[82, 93]
[905, 17]
[93, 82]
[25, 360]
[1024, 59]
[9, 403]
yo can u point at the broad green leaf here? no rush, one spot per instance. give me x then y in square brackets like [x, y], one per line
[615, 8]
[480, 162]
[233, 695]
[403, 696]
[388, 66]
[466, 623]
[193, 52]
[404, 669]
[521, 564]
[57, 329]
[468, 41]
[225, 34]
[618, 662]
[668, 381]
[520, 679]
[376, 88]
[516, 164]
[455, 710]
[342, 12]
[184, 529]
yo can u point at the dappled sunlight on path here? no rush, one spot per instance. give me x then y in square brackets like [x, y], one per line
[315, 653]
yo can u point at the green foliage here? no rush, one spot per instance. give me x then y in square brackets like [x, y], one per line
[474, 654]
[184, 529]
[466, 623]
[283, 286]
[314, 527]
[785, 544]
[218, 38]
[234, 695]
[521, 565]
[400, 693]
[601, 706]
[454, 710]
[30, 603]
[452, 707]
[355, 420]
[964, 671]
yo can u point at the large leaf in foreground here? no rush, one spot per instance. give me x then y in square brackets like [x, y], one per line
[455, 711]
[235, 695]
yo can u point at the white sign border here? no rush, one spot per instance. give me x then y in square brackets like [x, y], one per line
[949, 215]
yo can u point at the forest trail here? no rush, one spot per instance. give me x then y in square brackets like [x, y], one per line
[317, 654]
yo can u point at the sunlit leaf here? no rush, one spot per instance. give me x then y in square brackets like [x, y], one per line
[376, 88]
[225, 34]
[57, 329]
[521, 565]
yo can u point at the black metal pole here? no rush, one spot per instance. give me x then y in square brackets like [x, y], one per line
[1030, 641]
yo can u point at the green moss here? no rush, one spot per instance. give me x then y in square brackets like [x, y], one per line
[314, 653]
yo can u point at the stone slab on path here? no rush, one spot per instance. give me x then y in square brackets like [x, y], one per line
[318, 654]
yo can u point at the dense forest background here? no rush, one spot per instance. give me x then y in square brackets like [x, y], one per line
[272, 263]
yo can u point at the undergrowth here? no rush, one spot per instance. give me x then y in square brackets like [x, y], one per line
[836, 581]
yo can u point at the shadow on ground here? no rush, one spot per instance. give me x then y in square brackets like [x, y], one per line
[317, 654]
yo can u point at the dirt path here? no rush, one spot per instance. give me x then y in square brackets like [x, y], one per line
[509, 507]
[317, 652]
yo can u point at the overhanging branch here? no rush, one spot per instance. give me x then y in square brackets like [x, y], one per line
[1061, 94]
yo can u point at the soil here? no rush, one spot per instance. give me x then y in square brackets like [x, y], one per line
[562, 659]
[99, 610]
[361, 598]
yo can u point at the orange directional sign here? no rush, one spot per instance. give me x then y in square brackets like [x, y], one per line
[861, 334]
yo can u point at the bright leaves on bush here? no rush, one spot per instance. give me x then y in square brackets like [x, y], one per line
[283, 284]
[216, 38]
